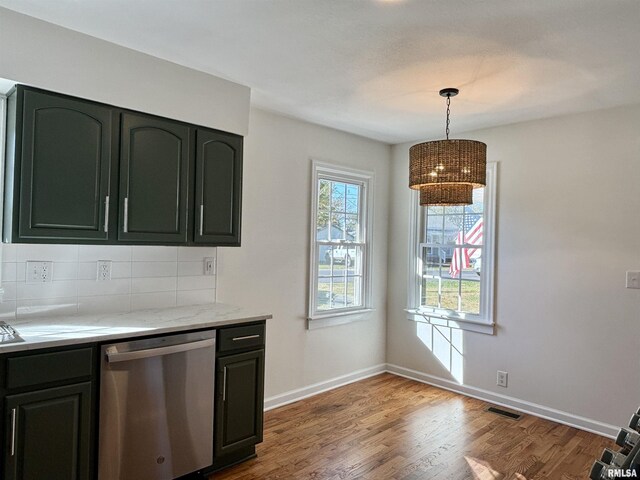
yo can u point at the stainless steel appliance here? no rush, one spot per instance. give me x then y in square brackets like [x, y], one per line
[156, 407]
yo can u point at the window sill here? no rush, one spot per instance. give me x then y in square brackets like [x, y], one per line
[337, 318]
[487, 328]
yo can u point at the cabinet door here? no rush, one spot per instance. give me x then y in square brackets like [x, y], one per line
[240, 401]
[64, 169]
[218, 188]
[48, 434]
[154, 168]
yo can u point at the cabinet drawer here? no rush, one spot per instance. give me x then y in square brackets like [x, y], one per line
[237, 338]
[29, 370]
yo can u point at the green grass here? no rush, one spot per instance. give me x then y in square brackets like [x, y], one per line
[449, 294]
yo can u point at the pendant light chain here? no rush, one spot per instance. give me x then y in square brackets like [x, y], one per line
[448, 113]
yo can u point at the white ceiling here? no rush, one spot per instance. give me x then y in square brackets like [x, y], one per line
[374, 67]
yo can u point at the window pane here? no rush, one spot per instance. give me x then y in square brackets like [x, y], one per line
[449, 295]
[453, 225]
[324, 260]
[338, 191]
[434, 229]
[351, 227]
[354, 291]
[353, 198]
[471, 296]
[430, 291]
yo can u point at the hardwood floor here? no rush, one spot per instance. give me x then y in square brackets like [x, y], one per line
[389, 427]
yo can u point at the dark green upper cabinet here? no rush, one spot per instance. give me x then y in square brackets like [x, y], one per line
[78, 171]
[154, 171]
[58, 183]
[218, 188]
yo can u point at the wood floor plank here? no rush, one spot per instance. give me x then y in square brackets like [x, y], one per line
[391, 428]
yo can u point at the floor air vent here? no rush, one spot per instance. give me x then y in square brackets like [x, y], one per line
[504, 413]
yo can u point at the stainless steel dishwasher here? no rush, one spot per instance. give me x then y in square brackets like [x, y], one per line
[156, 407]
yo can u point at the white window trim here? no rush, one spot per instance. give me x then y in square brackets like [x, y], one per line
[483, 323]
[350, 314]
[3, 136]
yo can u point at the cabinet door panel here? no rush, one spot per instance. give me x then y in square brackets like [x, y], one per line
[218, 187]
[240, 401]
[66, 162]
[153, 186]
[52, 434]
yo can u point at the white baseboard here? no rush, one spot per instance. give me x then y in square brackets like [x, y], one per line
[304, 392]
[559, 416]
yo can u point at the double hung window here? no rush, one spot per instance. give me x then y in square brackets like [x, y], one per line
[340, 241]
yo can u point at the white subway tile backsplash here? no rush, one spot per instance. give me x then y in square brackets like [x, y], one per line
[154, 254]
[63, 288]
[196, 297]
[154, 269]
[104, 304]
[47, 306]
[141, 277]
[120, 269]
[21, 271]
[9, 290]
[8, 252]
[65, 271]
[8, 272]
[186, 269]
[153, 284]
[89, 288]
[195, 254]
[115, 253]
[142, 301]
[54, 253]
[196, 283]
[7, 310]
[88, 271]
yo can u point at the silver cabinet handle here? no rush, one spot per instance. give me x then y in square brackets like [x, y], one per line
[201, 218]
[106, 214]
[13, 431]
[246, 337]
[125, 227]
[224, 384]
[114, 357]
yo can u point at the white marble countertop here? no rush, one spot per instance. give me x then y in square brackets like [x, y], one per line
[44, 332]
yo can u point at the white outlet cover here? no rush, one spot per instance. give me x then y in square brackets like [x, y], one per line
[39, 271]
[502, 379]
[633, 279]
[103, 272]
[209, 266]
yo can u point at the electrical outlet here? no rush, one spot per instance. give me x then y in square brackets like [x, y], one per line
[39, 272]
[104, 270]
[502, 379]
[633, 279]
[209, 266]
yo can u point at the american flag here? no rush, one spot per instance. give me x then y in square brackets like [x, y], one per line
[461, 259]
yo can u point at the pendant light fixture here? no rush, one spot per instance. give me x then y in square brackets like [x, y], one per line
[447, 171]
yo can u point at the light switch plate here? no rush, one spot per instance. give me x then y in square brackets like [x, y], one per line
[633, 279]
[209, 266]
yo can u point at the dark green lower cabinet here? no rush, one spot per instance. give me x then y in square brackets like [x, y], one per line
[48, 434]
[240, 405]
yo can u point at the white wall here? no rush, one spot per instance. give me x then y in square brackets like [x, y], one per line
[270, 271]
[568, 228]
[55, 58]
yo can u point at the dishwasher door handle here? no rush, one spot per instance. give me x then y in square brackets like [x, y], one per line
[114, 357]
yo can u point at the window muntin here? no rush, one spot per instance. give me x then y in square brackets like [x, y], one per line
[340, 245]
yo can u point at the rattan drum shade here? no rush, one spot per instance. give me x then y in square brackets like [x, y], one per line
[448, 161]
[447, 194]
